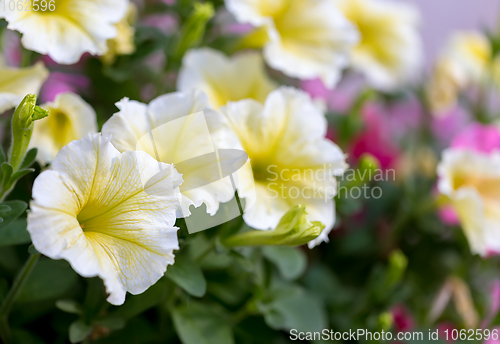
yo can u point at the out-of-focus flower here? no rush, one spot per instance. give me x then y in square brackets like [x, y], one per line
[123, 42]
[374, 139]
[466, 60]
[294, 229]
[446, 126]
[291, 160]
[11, 48]
[108, 214]
[15, 83]
[71, 118]
[225, 79]
[390, 51]
[402, 319]
[305, 39]
[183, 127]
[65, 30]
[165, 22]
[469, 174]
[58, 82]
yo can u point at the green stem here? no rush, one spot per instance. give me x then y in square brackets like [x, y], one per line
[11, 297]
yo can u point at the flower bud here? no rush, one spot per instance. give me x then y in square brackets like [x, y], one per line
[293, 229]
[22, 128]
[194, 29]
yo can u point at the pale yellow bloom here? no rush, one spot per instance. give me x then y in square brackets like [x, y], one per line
[291, 161]
[15, 83]
[123, 43]
[71, 118]
[305, 39]
[225, 79]
[390, 51]
[108, 214]
[65, 29]
[183, 127]
[467, 60]
[471, 180]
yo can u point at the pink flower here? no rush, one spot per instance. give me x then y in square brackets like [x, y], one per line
[448, 216]
[478, 137]
[166, 23]
[12, 50]
[338, 100]
[63, 82]
[445, 127]
[375, 138]
[403, 320]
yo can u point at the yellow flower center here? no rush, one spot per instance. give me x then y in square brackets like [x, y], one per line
[61, 128]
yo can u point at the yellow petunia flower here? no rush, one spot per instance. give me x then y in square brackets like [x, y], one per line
[108, 214]
[71, 118]
[123, 43]
[466, 60]
[65, 29]
[471, 181]
[225, 79]
[291, 161]
[177, 128]
[390, 51]
[15, 83]
[305, 39]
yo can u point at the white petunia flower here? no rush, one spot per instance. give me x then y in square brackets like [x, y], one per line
[390, 51]
[305, 39]
[472, 182]
[65, 29]
[225, 79]
[176, 128]
[109, 214]
[291, 160]
[15, 83]
[71, 118]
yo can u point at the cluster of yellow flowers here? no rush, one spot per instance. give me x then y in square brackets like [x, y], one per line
[109, 202]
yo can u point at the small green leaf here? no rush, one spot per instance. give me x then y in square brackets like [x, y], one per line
[14, 234]
[6, 173]
[29, 158]
[18, 175]
[78, 331]
[2, 156]
[197, 323]
[32, 250]
[17, 208]
[50, 279]
[290, 261]
[291, 307]
[187, 275]
[69, 306]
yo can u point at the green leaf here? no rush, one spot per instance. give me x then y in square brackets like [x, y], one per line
[2, 156]
[18, 175]
[29, 158]
[14, 234]
[17, 208]
[197, 323]
[78, 331]
[187, 275]
[291, 307]
[7, 171]
[69, 306]
[32, 250]
[50, 279]
[290, 261]
[136, 304]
